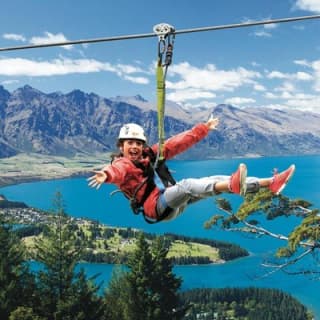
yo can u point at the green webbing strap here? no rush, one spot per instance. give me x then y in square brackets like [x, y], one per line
[165, 47]
[160, 107]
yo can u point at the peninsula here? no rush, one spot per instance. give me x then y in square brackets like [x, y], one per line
[108, 244]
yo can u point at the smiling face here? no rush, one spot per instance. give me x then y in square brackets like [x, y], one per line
[132, 149]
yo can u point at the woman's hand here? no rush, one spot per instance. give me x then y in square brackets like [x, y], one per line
[97, 180]
[212, 123]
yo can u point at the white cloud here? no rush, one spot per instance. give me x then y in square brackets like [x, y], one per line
[298, 76]
[138, 80]
[239, 101]
[304, 96]
[14, 36]
[8, 82]
[286, 95]
[210, 78]
[303, 76]
[270, 95]
[202, 104]
[128, 69]
[51, 38]
[255, 64]
[311, 104]
[302, 62]
[264, 30]
[189, 94]
[262, 33]
[259, 87]
[286, 87]
[63, 66]
[270, 26]
[302, 105]
[25, 67]
[299, 27]
[276, 75]
[316, 68]
[300, 101]
[308, 5]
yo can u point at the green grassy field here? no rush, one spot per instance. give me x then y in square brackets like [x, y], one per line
[123, 246]
[30, 167]
[193, 249]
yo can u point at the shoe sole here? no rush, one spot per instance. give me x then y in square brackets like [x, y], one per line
[293, 168]
[242, 180]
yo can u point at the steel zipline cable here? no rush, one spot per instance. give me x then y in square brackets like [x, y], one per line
[149, 35]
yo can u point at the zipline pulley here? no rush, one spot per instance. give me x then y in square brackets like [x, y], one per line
[163, 29]
[165, 33]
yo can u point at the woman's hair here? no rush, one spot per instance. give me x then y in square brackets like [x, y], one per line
[119, 153]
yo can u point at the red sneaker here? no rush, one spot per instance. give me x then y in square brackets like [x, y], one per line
[238, 180]
[280, 180]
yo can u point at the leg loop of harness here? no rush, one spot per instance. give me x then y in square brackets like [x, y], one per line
[136, 208]
[165, 209]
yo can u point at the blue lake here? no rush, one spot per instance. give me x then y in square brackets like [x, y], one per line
[82, 201]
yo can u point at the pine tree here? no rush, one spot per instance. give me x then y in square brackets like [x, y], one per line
[16, 282]
[140, 284]
[117, 295]
[66, 294]
[24, 313]
[164, 284]
[152, 285]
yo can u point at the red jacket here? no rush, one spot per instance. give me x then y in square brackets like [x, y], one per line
[126, 176]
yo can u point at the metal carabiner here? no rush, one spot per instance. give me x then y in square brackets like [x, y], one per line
[163, 30]
[161, 48]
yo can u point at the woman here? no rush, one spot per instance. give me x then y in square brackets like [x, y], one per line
[133, 173]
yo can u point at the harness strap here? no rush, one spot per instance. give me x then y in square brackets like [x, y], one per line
[166, 35]
[137, 206]
[164, 174]
[164, 214]
[160, 107]
[166, 178]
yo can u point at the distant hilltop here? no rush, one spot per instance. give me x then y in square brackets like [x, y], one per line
[79, 122]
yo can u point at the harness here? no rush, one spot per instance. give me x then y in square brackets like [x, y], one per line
[156, 168]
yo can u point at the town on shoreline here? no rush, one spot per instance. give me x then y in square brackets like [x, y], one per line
[113, 244]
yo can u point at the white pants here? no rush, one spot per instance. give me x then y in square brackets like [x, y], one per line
[190, 190]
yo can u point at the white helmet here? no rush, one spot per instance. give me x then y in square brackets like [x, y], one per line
[132, 131]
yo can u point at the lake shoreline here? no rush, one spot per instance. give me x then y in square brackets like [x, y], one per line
[6, 181]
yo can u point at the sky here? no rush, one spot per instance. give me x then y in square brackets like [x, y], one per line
[274, 65]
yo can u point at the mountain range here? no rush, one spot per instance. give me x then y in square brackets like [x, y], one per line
[79, 122]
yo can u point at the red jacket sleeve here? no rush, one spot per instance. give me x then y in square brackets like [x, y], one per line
[183, 141]
[117, 170]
